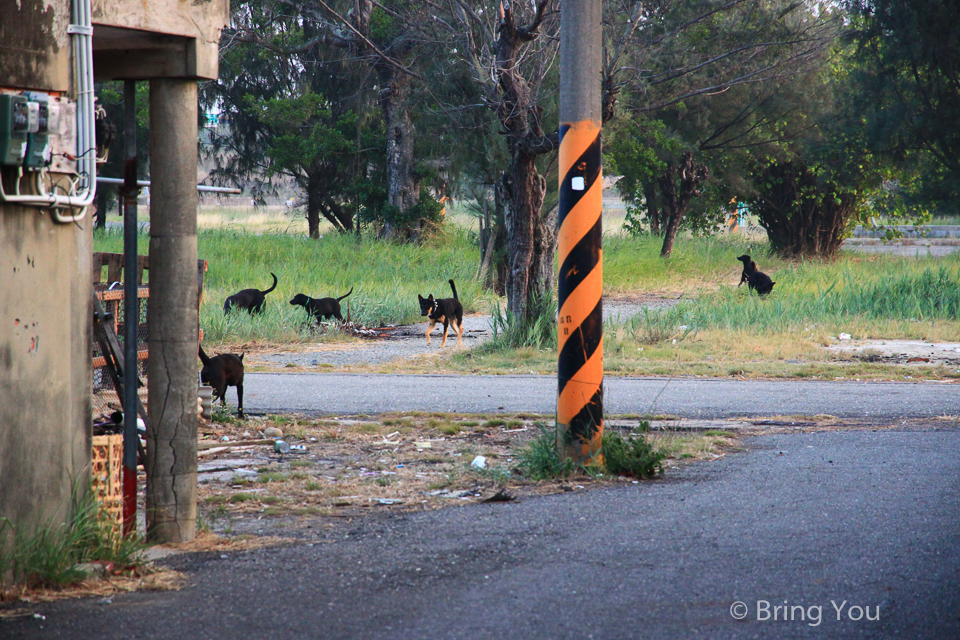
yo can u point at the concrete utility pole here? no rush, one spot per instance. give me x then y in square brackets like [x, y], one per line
[172, 367]
[580, 284]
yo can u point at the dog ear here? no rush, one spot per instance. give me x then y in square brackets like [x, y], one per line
[430, 298]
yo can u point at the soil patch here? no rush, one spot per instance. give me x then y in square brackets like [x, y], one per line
[904, 352]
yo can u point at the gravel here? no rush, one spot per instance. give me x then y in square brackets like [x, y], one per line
[406, 342]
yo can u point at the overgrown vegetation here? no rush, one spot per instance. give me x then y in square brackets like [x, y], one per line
[511, 332]
[632, 456]
[386, 278]
[49, 554]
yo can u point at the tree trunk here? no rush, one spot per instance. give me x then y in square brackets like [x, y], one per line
[102, 207]
[403, 190]
[531, 241]
[313, 209]
[653, 211]
[677, 197]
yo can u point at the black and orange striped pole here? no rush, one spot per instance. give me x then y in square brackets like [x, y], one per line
[580, 283]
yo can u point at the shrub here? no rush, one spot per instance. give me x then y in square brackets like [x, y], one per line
[632, 456]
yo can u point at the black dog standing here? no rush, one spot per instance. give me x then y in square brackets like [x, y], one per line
[321, 308]
[222, 371]
[449, 311]
[252, 300]
[756, 280]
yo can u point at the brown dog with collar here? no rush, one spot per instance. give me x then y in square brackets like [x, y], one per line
[449, 311]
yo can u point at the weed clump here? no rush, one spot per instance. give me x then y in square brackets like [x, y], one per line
[540, 460]
[48, 555]
[632, 456]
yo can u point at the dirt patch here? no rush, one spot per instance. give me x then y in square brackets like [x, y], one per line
[905, 352]
[350, 467]
[399, 344]
[353, 467]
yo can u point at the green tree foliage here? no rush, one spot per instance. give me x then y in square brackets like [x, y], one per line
[694, 79]
[822, 175]
[294, 113]
[909, 73]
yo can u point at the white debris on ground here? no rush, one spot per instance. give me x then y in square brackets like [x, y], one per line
[901, 351]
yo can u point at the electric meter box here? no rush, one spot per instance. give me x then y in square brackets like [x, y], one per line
[14, 128]
[38, 136]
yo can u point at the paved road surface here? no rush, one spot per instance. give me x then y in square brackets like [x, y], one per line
[867, 522]
[336, 393]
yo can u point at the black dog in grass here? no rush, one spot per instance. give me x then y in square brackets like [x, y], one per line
[756, 280]
[321, 308]
[222, 371]
[252, 300]
[449, 311]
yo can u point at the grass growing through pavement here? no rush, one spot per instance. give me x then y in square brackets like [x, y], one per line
[631, 456]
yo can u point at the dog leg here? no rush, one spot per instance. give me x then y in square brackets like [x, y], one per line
[433, 323]
[445, 325]
[240, 400]
[458, 327]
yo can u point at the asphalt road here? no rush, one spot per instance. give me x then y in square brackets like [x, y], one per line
[857, 533]
[344, 393]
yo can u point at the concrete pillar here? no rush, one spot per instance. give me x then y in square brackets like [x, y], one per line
[173, 313]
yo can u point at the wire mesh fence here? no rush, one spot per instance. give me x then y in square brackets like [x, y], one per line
[105, 398]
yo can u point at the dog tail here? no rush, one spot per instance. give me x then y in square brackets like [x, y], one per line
[345, 295]
[454, 287]
[273, 287]
[203, 356]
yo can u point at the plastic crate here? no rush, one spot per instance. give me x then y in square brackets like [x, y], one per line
[107, 469]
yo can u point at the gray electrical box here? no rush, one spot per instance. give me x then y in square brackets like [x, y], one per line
[14, 128]
[38, 137]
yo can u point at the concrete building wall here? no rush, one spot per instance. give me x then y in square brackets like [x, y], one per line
[34, 45]
[45, 372]
[45, 303]
[46, 311]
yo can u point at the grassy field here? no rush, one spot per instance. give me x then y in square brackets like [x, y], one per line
[385, 277]
[715, 329]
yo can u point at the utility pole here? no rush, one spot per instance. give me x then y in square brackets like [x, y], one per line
[580, 283]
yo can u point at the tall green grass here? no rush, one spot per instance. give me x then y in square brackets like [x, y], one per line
[804, 298]
[48, 555]
[386, 278]
[634, 264]
[540, 332]
[874, 294]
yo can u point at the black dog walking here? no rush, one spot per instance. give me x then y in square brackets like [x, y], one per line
[252, 300]
[321, 308]
[449, 311]
[222, 371]
[756, 280]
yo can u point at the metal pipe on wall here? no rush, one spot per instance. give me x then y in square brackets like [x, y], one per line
[131, 309]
